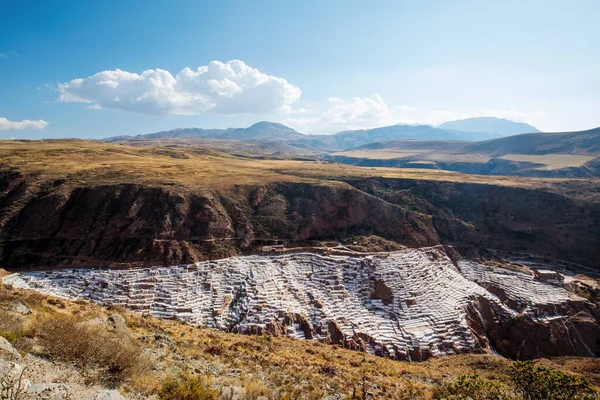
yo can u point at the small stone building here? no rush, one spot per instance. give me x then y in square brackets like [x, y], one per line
[547, 275]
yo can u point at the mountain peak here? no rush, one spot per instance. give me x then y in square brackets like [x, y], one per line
[269, 124]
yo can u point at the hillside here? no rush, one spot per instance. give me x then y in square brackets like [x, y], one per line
[62, 347]
[580, 143]
[490, 125]
[84, 203]
[402, 264]
[568, 154]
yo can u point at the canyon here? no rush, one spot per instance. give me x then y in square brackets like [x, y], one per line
[405, 264]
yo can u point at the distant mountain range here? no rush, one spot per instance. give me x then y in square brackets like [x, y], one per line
[271, 131]
[489, 126]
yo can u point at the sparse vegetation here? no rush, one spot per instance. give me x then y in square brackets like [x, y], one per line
[527, 382]
[187, 387]
[535, 382]
[12, 386]
[89, 344]
[472, 387]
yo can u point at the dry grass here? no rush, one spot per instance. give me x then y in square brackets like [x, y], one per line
[87, 163]
[89, 345]
[380, 154]
[249, 366]
[551, 161]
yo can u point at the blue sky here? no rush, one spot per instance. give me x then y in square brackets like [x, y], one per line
[318, 66]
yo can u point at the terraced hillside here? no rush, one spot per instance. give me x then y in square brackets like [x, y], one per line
[408, 305]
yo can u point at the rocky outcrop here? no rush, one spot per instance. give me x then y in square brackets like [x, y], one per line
[572, 329]
[500, 217]
[7, 351]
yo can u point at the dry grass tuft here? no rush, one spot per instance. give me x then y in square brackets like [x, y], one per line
[187, 387]
[88, 344]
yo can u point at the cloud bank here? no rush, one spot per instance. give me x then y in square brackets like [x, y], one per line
[358, 113]
[6, 125]
[373, 112]
[221, 88]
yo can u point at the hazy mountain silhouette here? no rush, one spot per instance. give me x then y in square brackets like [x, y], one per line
[490, 125]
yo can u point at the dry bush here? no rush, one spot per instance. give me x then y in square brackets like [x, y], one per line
[12, 386]
[254, 389]
[68, 339]
[215, 349]
[15, 329]
[328, 370]
[10, 324]
[187, 387]
[472, 387]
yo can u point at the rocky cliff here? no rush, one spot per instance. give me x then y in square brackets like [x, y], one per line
[52, 223]
[56, 224]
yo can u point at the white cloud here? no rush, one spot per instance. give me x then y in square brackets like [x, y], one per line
[2, 55]
[223, 88]
[373, 112]
[358, 113]
[6, 125]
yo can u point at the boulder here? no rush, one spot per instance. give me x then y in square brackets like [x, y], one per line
[19, 307]
[109, 395]
[49, 391]
[11, 374]
[118, 323]
[7, 351]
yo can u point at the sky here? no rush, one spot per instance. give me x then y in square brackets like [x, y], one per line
[98, 69]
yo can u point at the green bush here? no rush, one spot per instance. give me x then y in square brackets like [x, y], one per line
[542, 383]
[471, 387]
[186, 387]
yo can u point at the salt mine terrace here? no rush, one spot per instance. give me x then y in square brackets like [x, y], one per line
[412, 304]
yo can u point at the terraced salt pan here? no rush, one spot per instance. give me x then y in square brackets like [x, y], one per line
[419, 305]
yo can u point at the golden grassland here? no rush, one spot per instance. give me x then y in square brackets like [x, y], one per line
[380, 154]
[548, 161]
[551, 161]
[82, 163]
[272, 367]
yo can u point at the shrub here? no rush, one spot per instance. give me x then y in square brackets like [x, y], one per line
[214, 349]
[186, 387]
[85, 344]
[12, 386]
[542, 383]
[328, 370]
[254, 389]
[471, 387]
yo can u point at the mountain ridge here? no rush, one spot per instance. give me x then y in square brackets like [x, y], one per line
[492, 125]
[274, 131]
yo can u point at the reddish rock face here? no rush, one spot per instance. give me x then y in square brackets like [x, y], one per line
[136, 225]
[59, 224]
[521, 338]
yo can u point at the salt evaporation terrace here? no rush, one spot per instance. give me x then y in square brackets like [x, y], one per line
[394, 305]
